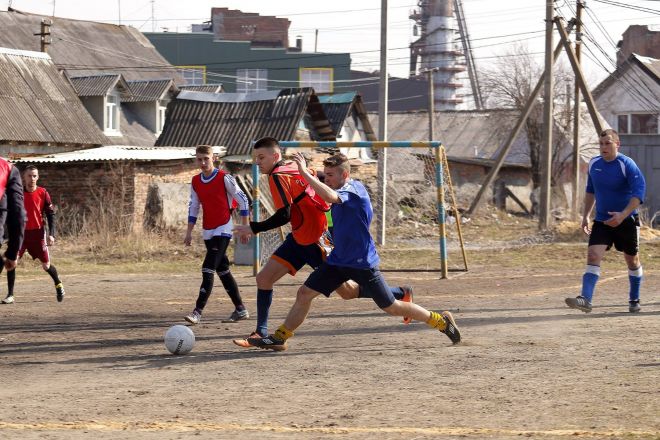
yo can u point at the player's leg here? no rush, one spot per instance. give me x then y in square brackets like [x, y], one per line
[11, 279]
[324, 280]
[208, 275]
[229, 283]
[600, 240]
[628, 243]
[372, 280]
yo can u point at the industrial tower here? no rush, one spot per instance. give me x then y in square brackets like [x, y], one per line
[443, 27]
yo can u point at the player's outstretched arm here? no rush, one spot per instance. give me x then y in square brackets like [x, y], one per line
[324, 191]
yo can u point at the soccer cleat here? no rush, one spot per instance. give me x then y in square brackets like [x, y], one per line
[407, 297]
[451, 330]
[8, 300]
[237, 316]
[580, 303]
[634, 307]
[269, 342]
[194, 317]
[60, 292]
[244, 342]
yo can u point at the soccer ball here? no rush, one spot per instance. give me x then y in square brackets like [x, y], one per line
[179, 339]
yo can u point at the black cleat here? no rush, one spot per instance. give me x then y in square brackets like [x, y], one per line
[60, 292]
[580, 303]
[451, 330]
[269, 342]
[634, 307]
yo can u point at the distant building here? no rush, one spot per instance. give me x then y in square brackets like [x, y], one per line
[405, 94]
[249, 53]
[640, 39]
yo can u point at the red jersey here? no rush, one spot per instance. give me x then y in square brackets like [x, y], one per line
[37, 203]
[289, 188]
[212, 196]
[5, 169]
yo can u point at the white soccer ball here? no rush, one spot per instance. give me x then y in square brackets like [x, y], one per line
[179, 339]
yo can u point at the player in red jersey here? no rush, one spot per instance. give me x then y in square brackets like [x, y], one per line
[37, 203]
[215, 191]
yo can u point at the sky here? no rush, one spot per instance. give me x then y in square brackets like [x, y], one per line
[354, 27]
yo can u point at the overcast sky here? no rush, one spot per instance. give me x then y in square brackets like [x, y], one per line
[354, 26]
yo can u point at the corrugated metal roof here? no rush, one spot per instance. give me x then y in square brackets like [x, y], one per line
[86, 48]
[116, 153]
[38, 105]
[209, 88]
[236, 120]
[337, 108]
[95, 85]
[149, 90]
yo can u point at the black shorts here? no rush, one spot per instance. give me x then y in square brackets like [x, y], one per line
[624, 237]
[294, 256]
[327, 278]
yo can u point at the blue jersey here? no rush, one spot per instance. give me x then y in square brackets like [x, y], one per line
[354, 246]
[613, 184]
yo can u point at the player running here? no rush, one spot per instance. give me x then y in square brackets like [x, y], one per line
[12, 213]
[353, 258]
[308, 243]
[215, 191]
[38, 204]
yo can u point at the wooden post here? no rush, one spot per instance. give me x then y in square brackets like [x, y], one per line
[575, 183]
[546, 148]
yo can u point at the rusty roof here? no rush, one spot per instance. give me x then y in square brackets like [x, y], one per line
[86, 48]
[149, 90]
[235, 120]
[38, 104]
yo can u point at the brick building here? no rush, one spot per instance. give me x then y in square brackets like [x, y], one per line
[641, 40]
[261, 31]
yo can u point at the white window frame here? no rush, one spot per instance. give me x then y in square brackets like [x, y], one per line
[629, 128]
[193, 75]
[251, 80]
[320, 78]
[160, 117]
[111, 115]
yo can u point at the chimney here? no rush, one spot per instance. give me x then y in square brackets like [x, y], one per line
[299, 43]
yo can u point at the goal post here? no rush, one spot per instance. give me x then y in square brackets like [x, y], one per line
[434, 172]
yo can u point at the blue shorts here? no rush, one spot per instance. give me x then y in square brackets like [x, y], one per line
[294, 256]
[327, 278]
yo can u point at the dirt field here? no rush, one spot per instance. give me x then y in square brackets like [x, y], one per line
[95, 366]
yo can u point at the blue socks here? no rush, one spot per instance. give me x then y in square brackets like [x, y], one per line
[264, 299]
[589, 280]
[635, 277]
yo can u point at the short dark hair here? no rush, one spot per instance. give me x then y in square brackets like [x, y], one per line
[338, 160]
[30, 168]
[204, 149]
[266, 142]
[610, 132]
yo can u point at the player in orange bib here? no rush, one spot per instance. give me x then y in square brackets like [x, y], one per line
[37, 239]
[308, 243]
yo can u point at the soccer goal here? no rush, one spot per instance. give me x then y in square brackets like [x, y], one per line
[415, 209]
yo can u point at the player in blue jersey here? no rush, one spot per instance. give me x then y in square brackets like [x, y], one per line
[354, 257]
[617, 187]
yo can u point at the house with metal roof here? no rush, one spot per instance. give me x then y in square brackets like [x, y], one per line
[629, 100]
[235, 120]
[121, 78]
[39, 109]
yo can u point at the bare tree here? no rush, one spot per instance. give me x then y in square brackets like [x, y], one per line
[508, 83]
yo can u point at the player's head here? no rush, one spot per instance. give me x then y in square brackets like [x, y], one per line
[337, 170]
[609, 144]
[30, 176]
[204, 156]
[266, 154]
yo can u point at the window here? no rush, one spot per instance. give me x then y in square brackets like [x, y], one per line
[160, 122]
[638, 123]
[193, 75]
[111, 114]
[251, 80]
[318, 77]
[622, 124]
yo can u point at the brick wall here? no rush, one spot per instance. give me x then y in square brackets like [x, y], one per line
[235, 25]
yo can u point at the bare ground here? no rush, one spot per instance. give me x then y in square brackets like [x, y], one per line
[95, 366]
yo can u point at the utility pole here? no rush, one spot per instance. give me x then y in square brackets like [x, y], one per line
[119, 10]
[45, 34]
[382, 124]
[431, 110]
[575, 184]
[153, 15]
[546, 151]
[316, 40]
